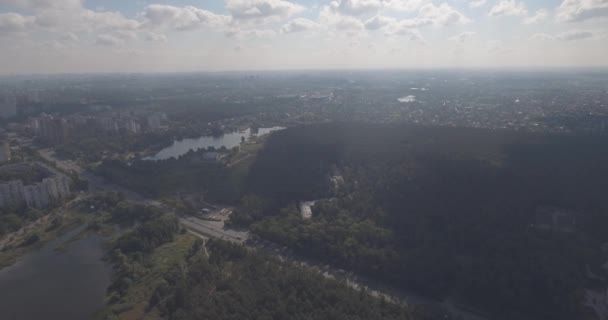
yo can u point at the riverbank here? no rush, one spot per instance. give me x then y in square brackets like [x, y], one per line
[37, 234]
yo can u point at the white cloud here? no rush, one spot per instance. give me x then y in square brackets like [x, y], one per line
[43, 4]
[541, 37]
[498, 47]
[333, 20]
[154, 37]
[509, 8]
[124, 34]
[574, 35]
[379, 22]
[411, 34]
[108, 40]
[128, 52]
[349, 24]
[251, 33]
[442, 15]
[69, 36]
[53, 45]
[430, 14]
[571, 35]
[477, 3]
[261, 11]
[81, 19]
[299, 25]
[405, 5]
[107, 20]
[356, 7]
[539, 17]
[464, 36]
[580, 10]
[14, 22]
[182, 18]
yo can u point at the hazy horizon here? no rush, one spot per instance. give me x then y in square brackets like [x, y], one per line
[505, 70]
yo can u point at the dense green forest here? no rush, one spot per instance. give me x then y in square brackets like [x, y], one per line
[235, 283]
[190, 172]
[220, 280]
[128, 252]
[503, 221]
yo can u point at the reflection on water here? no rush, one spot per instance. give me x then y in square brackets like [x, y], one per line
[68, 284]
[229, 140]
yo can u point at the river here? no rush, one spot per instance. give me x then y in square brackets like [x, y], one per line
[67, 284]
[228, 140]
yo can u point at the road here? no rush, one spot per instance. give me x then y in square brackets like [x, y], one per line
[207, 228]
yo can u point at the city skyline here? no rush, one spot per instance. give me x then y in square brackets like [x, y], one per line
[73, 36]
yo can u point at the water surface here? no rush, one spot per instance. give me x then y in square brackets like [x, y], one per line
[67, 284]
[229, 140]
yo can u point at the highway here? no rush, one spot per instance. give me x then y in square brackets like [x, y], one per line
[206, 228]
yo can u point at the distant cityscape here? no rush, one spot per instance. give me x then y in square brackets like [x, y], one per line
[550, 102]
[442, 193]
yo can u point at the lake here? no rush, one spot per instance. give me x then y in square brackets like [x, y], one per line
[229, 140]
[69, 284]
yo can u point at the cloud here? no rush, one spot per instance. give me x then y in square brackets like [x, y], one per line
[251, 33]
[124, 34]
[379, 22]
[53, 45]
[182, 18]
[571, 35]
[409, 33]
[108, 40]
[498, 47]
[43, 4]
[107, 20]
[477, 3]
[261, 11]
[574, 35]
[155, 37]
[339, 22]
[349, 24]
[427, 15]
[580, 10]
[509, 8]
[70, 15]
[81, 19]
[128, 52]
[463, 37]
[14, 22]
[541, 37]
[405, 5]
[540, 16]
[430, 14]
[356, 7]
[442, 15]
[299, 25]
[69, 36]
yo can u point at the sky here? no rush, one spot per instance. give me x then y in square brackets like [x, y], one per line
[81, 36]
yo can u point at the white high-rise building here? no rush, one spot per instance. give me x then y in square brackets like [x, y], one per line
[5, 152]
[8, 105]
